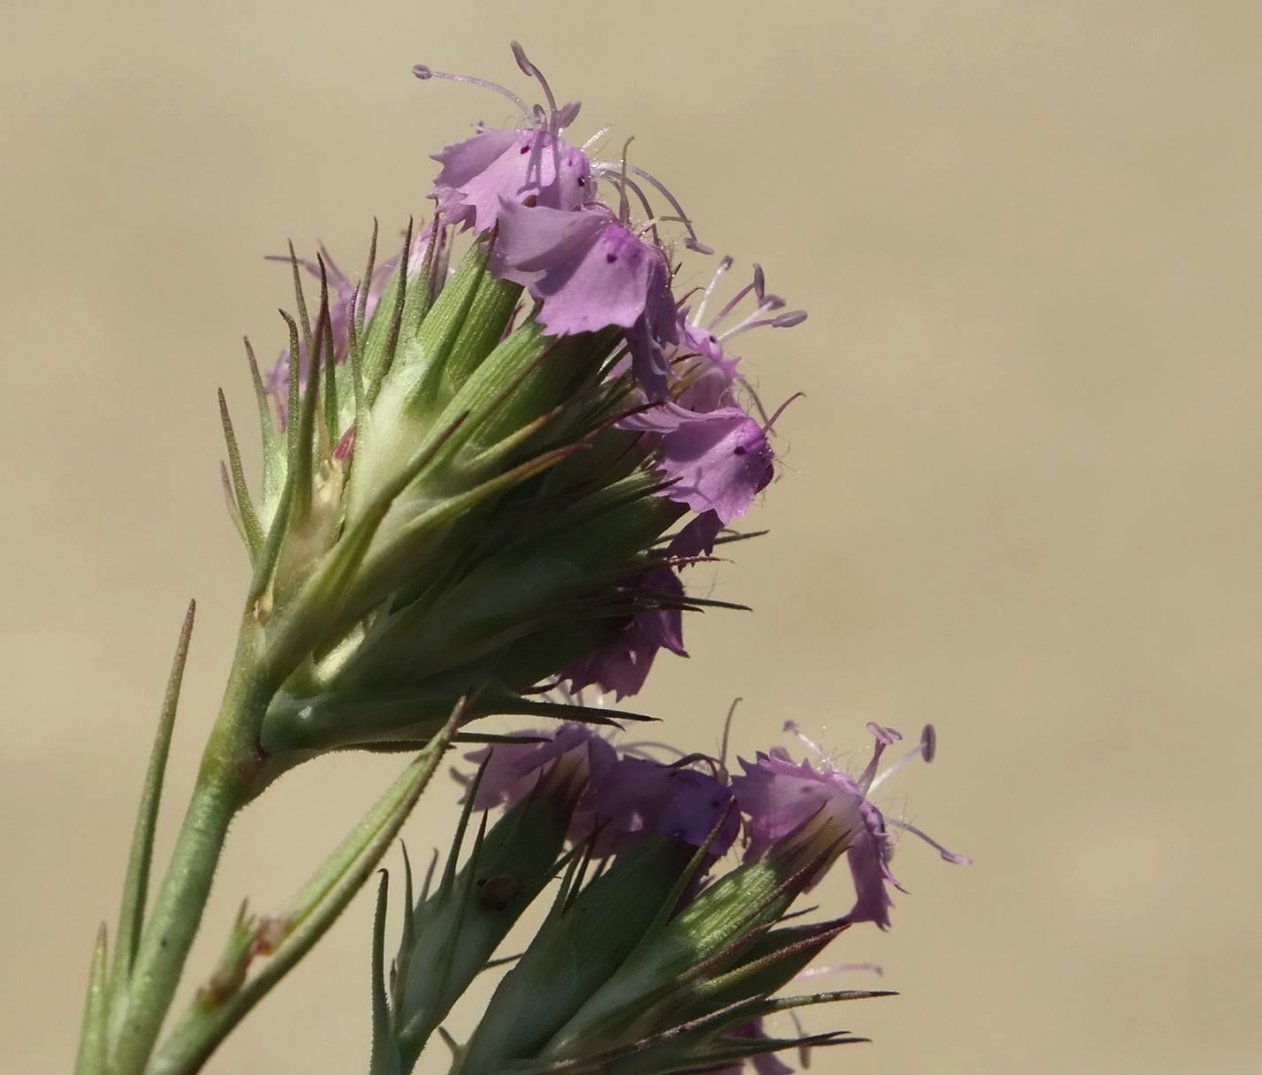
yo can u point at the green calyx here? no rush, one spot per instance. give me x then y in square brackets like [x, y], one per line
[655, 988]
[448, 510]
[590, 931]
[451, 932]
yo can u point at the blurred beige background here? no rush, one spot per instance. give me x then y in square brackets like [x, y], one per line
[1021, 498]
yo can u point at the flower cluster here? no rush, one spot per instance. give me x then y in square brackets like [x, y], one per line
[487, 479]
[669, 964]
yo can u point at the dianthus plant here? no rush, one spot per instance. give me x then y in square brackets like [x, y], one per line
[489, 464]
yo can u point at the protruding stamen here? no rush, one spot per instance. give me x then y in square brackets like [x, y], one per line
[661, 188]
[950, 856]
[793, 317]
[566, 115]
[557, 117]
[731, 305]
[885, 737]
[531, 71]
[719, 273]
[839, 968]
[624, 208]
[766, 428]
[594, 139]
[925, 749]
[425, 73]
[727, 732]
[791, 726]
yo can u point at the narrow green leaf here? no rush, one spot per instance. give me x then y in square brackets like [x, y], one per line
[230, 502]
[382, 335]
[331, 423]
[300, 298]
[409, 899]
[136, 884]
[385, 1056]
[355, 359]
[295, 387]
[272, 455]
[400, 301]
[302, 423]
[92, 1038]
[359, 310]
[447, 315]
[240, 491]
[269, 554]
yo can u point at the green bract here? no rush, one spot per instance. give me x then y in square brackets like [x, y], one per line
[447, 512]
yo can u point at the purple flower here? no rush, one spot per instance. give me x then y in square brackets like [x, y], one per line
[715, 456]
[640, 796]
[716, 461]
[588, 268]
[590, 271]
[625, 797]
[793, 804]
[513, 770]
[622, 664]
[530, 167]
[697, 537]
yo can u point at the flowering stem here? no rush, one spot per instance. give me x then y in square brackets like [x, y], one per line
[225, 782]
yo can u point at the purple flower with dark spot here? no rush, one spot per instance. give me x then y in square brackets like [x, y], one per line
[625, 797]
[530, 165]
[794, 805]
[639, 797]
[513, 770]
[622, 664]
[588, 268]
[521, 167]
[716, 461]
[590, 271]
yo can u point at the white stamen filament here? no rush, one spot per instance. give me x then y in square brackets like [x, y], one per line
[949, 856]
[724, 265]
[425, 73]
[924, 749]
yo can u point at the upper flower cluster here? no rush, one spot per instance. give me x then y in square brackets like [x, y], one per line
[534, 197]
[490, 460]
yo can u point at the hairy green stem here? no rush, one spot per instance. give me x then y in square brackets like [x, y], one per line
[225, 781]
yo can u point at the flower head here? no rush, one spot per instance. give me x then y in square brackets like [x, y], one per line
[795, 804]
[496, 475]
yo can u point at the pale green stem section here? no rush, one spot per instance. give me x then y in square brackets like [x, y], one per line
[314, 910]
[229, 765]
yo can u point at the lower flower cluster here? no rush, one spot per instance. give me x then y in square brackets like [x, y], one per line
[654, 957]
